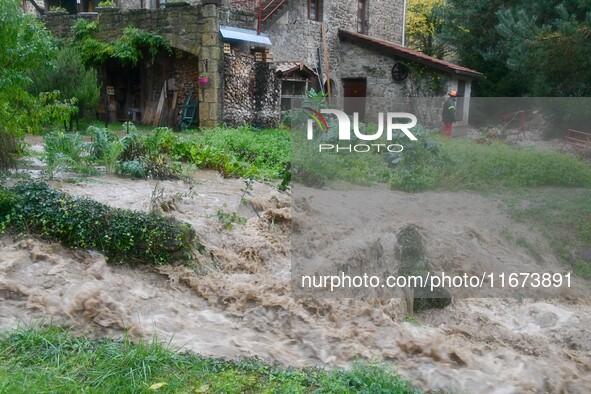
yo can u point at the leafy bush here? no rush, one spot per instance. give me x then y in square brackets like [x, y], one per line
[146, 155]
[418, 166]
[101, 138]
[133, 168]
[122, 235]
[240, 152]
[107, 3]
[134, 147]
[64, 151]
[161, 140]
[68, 75]
[127, 49]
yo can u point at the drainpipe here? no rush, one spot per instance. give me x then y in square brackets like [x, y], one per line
[403, 22]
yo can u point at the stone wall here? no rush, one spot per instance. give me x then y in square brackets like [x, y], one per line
[295, 37]
[192, 29]
[237, 18]
[251, 90]
[182, 27]
[385, 20]
[358, 62]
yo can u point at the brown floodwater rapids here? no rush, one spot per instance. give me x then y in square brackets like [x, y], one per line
[238, 301]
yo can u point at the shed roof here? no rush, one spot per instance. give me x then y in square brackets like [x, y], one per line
[406, 53]
[289, 67]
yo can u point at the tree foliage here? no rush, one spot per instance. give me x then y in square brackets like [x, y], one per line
[67, 74]
[549, 43]
[470, 28]
[524, 47]
[423, 24]
[128, 49]
[25, 45]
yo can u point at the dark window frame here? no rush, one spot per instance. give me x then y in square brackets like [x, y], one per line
[362, 16]
[318, 5]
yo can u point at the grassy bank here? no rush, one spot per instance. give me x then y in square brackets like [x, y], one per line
[458, 164]
[433, 163]
[563, 216]
[51, 360]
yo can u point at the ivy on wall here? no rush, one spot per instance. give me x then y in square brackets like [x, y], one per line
[128, 49]
[422, 81]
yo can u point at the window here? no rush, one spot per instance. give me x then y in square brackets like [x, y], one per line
[314, 9]
[362, 17]
[290, 89]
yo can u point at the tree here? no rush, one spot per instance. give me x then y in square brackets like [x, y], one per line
[470, 27]
[71, 78]
[524, 47]
[423, 23]
[25, 44]
[549, 45]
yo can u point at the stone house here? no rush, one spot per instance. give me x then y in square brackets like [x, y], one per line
[259, 55]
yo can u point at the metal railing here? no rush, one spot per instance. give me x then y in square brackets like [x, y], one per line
[263, 10]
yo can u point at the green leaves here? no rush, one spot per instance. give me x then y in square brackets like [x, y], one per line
[123, 236]
[550, 45]
[25, 45]
[128, 49]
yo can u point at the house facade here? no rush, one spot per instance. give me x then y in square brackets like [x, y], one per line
[259, 55]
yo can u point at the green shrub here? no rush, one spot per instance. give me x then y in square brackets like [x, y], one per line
[122, 235]
[101, 138]
[68, 75]
[241, 152]
[133, 168]
[134, 147]
[582, 269]
[64, 151]
[146, 156]
[161, 140]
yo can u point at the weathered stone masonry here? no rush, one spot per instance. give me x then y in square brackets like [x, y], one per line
[192, 29]
[296, 37]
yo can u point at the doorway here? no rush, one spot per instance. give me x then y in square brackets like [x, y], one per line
[354, 92]
[460, 100]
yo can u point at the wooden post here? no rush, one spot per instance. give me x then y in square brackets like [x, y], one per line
[327, 69]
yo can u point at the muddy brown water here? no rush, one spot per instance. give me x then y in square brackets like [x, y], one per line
[240, 303]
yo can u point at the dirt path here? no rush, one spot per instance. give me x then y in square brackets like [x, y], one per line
[243, 306]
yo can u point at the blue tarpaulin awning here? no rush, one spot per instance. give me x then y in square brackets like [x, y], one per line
[236, 33]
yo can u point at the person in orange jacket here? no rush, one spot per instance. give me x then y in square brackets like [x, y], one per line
[449, 113]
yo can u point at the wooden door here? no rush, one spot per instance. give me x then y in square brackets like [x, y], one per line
[354, 90]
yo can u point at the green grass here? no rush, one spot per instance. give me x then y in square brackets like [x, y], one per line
[460, 164]
[428, 164]
[51, 360]
[476, 166]
[243, 151]
[433, 163]
[562, 215]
